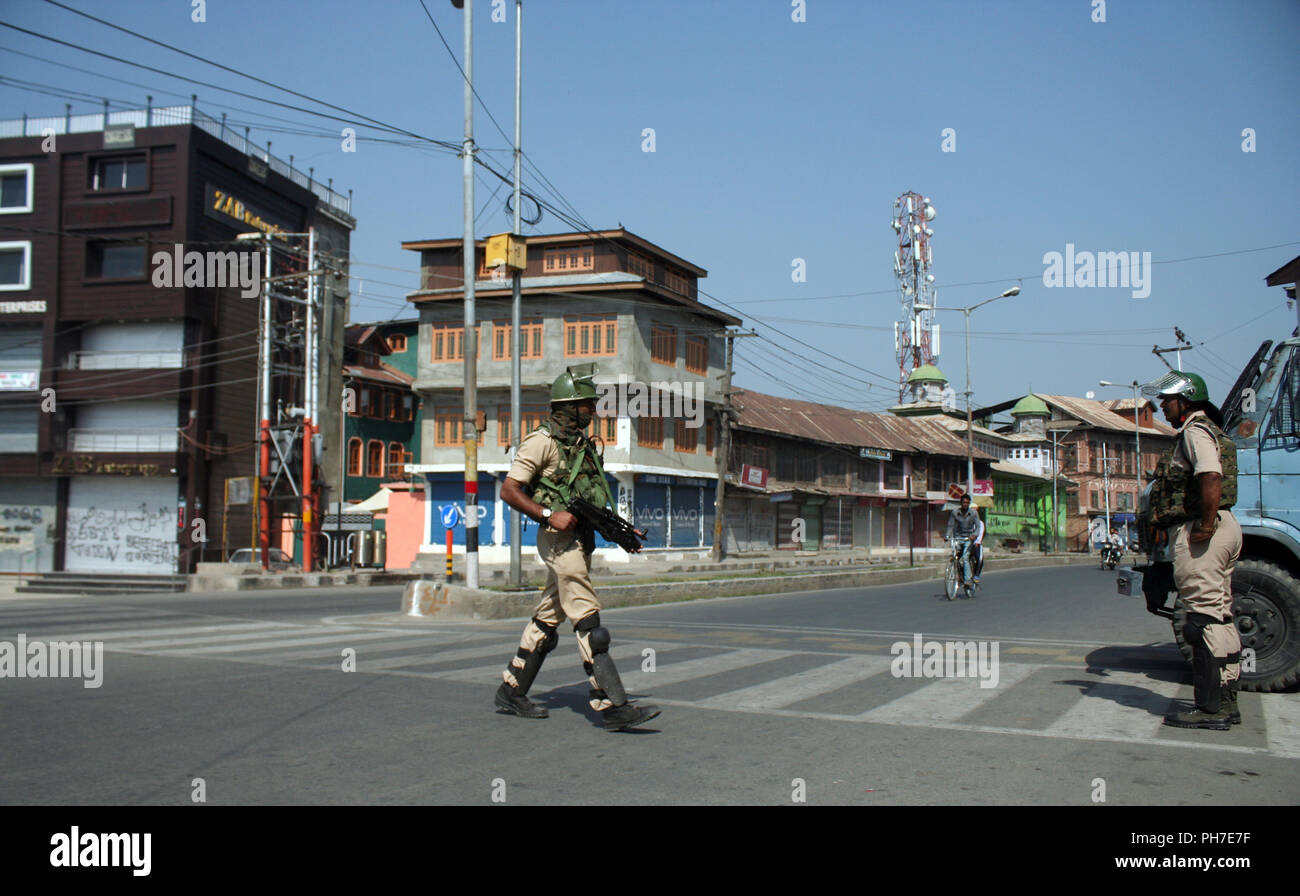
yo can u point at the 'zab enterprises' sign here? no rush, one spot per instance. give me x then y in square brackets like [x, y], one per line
[223, 206]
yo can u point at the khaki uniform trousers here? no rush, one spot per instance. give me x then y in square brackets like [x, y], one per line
[1203, 576]
[568, 595]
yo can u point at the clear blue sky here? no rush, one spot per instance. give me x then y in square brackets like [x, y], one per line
[778, 140]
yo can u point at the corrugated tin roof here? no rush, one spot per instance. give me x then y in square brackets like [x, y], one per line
[1095, 413]
[845, 426]
[382, 374]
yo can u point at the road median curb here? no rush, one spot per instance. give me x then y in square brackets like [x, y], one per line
[434, 600]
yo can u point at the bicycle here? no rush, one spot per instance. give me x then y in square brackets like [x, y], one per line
[953, 577]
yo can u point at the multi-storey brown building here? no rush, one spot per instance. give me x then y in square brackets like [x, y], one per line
[1098, 452]
[129, 325]
[609, 297]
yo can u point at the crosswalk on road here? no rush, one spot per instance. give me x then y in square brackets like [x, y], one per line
[1051, 699]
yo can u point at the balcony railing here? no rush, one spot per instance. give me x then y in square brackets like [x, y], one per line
[95, 360]
[163, 116]
[122, 440]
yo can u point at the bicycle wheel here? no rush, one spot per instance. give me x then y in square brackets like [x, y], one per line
[950, 580]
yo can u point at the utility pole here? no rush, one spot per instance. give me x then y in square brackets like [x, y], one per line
[264, 418]
[1182, 346]
[1105, 479]
[516, 340]
[469, 339]
[724, 452]
[310, 350]
[728, 414]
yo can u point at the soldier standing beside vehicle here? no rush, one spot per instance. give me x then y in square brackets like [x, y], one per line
[1194, 488]
[557, 463]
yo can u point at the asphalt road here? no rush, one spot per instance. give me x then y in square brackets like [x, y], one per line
[245, 699]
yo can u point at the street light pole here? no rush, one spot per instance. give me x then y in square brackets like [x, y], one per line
[1137, 432]
[970, 452]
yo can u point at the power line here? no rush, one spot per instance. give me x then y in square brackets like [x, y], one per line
[232, 71]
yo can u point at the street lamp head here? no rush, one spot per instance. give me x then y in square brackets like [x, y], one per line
[1013, 291]
[1105, 383]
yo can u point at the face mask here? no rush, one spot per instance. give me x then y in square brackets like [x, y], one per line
[571, 418]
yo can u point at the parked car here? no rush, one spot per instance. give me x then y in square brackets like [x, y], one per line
[278, 559]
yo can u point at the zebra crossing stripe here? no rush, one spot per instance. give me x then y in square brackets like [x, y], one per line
[1282, 721]
[802, 685]
[80, 615]
[273, 641]
[432, 655]
[1126, 705]
[214, 635]
[948, 699]
[155, 632]
[321, 652]
[475, 675]
[673, 673]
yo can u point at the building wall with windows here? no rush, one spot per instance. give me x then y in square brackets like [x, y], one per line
[581, 303]
[142, 403]
[382, 428]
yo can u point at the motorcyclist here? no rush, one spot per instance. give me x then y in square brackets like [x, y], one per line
[1113, 546]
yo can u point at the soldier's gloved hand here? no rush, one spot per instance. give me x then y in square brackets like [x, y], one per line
[563, 521]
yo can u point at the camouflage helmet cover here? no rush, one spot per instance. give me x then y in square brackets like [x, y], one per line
[1178, 382]
[574, 384]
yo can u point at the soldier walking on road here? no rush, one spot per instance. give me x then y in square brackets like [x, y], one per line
[558, 463]
[1191, 498]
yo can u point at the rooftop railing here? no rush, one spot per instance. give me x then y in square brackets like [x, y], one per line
[170, 116]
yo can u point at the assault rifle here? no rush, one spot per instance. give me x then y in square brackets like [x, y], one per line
[609, 524]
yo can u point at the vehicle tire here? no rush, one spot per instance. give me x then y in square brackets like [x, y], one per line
[1266, 606]
[950, 580]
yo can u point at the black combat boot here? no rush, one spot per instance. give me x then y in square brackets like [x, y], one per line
[1201, 718]
[510, 700]
[1228, 702]
[629, 715]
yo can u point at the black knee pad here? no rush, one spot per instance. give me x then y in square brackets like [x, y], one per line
[597, 635]
[551, 636]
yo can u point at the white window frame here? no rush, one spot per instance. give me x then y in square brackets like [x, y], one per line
[30, 170]
[26, 246]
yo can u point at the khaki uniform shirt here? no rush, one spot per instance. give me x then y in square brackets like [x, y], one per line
[538, 455]
[1197, 450]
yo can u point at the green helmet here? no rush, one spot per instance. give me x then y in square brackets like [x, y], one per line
[1178, 382]
[574, 384]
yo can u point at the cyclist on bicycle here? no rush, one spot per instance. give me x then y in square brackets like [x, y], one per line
[962, 526]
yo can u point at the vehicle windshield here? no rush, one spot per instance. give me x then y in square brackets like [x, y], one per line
[1250, 374]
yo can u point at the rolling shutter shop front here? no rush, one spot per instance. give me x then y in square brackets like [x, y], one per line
[121, 525]
[837, 523]
[786, 513]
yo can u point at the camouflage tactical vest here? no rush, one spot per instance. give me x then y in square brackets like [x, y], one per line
[1175, 494]
[579, 473]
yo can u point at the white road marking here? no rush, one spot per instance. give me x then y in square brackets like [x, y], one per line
[948, 699]
[155, 632]
[431, 655]
[802, 685]
[342, 638]
[1282, 720]
[673, 673]
[1123, 706]
[215, 635]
